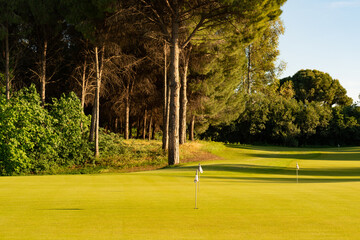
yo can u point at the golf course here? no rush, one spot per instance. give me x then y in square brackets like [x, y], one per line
[246, 192]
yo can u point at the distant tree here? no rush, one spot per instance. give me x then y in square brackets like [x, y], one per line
[8, 21]
[262, 56]
[344, 127]
[215, 73]
[4, 34]
[314, 85]
[286, 89]
[45, 23]
[220, 69]
[121, 72]
[252, 123]
[83, 74]
[311, 119]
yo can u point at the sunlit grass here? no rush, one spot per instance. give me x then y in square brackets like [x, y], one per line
[251, 193]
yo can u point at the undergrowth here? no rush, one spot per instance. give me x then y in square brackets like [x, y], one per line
[119, 155]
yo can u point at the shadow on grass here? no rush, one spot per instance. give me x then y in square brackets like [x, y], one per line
[295, 149]
[63, 209]
[276, 174]
[324, 154]
[256, 169]
[263, 173]
[261, 148]
[284, 180]
[311, 156]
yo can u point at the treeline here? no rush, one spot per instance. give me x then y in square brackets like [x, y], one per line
[173, 67]
[176, 69]
[309, 108]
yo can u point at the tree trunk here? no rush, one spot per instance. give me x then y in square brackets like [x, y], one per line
[165, 139]
[7, 64]
[173, 156]
[116, 125]
[83, 85]
[183, 99]
[97, 97]
[93, 121]
[192, 128]
[168, 114]
[127, 113]
[43, 73]
[153, 132]
[144, 127]
[150, 127]
[249, 69]
[83, 89]
[130, 129]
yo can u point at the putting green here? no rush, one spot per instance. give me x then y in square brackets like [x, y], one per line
[251, 194]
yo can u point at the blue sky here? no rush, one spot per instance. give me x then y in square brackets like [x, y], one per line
[323, 35]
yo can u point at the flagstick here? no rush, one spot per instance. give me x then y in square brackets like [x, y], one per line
[199, 183]
[196, 195]
[297, 176]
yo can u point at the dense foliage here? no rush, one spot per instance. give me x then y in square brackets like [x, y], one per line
[147, 68]
[34, 139]
[122, 58]
[314, 85]
[285, 116]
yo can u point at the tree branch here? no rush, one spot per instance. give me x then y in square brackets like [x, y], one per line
[160, 21]
[200, 23]
[169, 6]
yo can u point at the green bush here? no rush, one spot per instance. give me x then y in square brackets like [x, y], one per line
[27, 139]
[72, 128]
[33, 139]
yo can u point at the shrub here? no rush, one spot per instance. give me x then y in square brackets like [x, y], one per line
[33, 139]
[27, 139]
[72, 127]
[110, 144]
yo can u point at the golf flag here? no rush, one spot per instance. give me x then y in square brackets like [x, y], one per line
[196, 177]
[200, 169]
[297, 166]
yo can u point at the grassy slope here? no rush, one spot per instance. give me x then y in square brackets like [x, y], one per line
[250, 194]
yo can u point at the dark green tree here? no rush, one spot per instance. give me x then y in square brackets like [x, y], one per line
[215, 73]
[311, 119]
[8, 21]
[314, 85]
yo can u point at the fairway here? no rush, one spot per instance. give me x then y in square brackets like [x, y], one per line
[251, 193]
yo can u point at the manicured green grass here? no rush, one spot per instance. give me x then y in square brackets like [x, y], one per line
[250, 194]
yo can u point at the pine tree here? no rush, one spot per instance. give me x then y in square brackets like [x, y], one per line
[203, 14]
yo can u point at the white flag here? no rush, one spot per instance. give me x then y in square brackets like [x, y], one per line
[196, 177]
[297, 166]
[200, 169]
